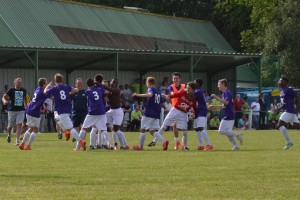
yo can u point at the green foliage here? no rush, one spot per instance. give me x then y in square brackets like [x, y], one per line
[52, 170]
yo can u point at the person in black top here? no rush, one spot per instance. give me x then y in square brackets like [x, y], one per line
[16, 99]
[263, 111]
[79, 110]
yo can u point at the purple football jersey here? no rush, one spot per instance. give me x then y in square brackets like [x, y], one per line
[287, 97]
[62, 98]
[153, 104]
[38, 99]
[200, 104]
[229, 108]
[96, 105]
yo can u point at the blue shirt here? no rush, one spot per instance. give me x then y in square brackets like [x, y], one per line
[229, 108]
[153, 104]
[287, 97]
[200, 104]
[96, 104]
[38, 99]
[79, 102]
[62, 98]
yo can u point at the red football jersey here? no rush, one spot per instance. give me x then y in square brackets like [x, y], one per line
[183, 104]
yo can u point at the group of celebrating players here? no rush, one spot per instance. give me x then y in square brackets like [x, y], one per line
[184, 98]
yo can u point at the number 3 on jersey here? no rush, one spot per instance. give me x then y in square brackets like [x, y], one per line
[96, 95]
[62, 95]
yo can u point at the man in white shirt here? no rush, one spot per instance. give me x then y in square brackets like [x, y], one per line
[255, 106]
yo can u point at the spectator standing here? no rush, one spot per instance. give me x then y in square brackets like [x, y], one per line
[206, 96]
[136, 86]
[255, 106]
[246, 106]
[163, 88]
[263, 110]
[16, 98]
[127, 93]
[238, 104]
[4, 117]
[50, 114]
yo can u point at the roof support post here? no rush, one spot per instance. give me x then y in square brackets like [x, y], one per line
[36, 64]
[117, 65]
[141, 82]
[209, 83]
[67, 77]
[259, 74]
[191, 75]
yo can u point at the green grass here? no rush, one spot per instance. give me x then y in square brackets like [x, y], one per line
[52, 170]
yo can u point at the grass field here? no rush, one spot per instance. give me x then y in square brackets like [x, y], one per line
[52, 170]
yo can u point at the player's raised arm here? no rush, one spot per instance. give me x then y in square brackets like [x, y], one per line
[48, 87]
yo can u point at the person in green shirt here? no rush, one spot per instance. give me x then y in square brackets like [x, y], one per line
[214, 123]
[136, 116]
[136, 86]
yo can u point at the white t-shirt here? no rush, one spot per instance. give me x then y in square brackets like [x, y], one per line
[255, 108]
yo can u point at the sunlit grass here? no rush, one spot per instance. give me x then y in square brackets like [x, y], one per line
[52, 170]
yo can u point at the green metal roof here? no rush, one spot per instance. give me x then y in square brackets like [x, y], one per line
[28, 24]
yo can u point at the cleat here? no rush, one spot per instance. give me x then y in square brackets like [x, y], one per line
[83, 144]
[177, 144]
[209, 147]
[235, 148]
[288, 145]
[8, 139]
[67, 134]
[59, 136]
[21, 146]
[165, 145]
[104, 146]
[76, 149]
[200, 148]
[27, 147]
[186, 148]
[116, 148]
[98, 146]
[73, 140]
[151, 144]
[240, 138]
[92, 147]
[17, 143]
[137, 148]
[127, 147]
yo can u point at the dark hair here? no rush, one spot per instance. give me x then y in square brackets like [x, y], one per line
[89, 82]
[42, 81]
[98, 79]
[176, 74]
[245, 98]
[224, 81]
[285, 79]
[192, 85]
[198, 81]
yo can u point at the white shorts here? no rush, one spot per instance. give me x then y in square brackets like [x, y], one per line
[200, 122]
[64, 121]
[149, 123]
[226, 125]
[115, 116]
[99, 121]
[289, 118]
[33, 121]
[176, 116]
[15, 118]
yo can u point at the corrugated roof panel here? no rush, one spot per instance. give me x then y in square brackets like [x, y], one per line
[31, 20]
